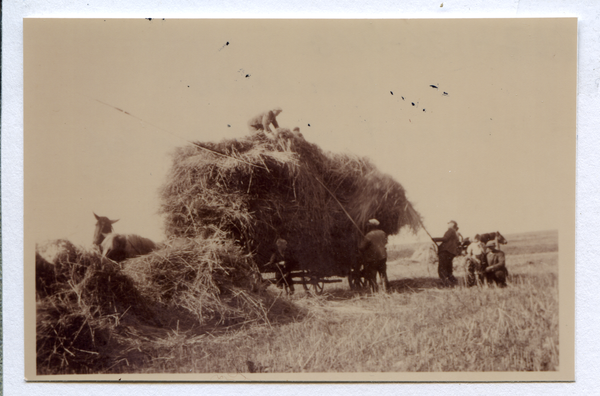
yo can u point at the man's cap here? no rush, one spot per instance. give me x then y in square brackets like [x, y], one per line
[453, 222]
[374, 222]
[277, 108]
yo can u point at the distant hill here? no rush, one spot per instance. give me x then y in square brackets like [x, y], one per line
[532, 242]
[518, 243]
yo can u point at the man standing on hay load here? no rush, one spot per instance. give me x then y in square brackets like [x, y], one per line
[496, 270]
[446, 252]
[283, 263]
[262, 121]
[374, 255]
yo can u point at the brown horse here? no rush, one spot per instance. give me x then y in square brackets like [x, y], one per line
[490, 236]
[119, 247]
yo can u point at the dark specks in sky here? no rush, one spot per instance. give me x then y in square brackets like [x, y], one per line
[228, 126]
[149, 19]
[416, 104]
[247, 75]
[391, 92]
[308, 124]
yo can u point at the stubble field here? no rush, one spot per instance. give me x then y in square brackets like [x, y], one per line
[417, 326]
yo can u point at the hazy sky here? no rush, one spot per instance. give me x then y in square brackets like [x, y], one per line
[496, 153]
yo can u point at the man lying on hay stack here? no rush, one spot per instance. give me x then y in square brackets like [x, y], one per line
[262, 121]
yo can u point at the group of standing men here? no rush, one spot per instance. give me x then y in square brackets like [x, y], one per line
[484, 261]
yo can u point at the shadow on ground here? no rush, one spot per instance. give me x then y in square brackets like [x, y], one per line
[407, 285]
[414, 285]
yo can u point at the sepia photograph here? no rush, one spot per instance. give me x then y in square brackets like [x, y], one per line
[299, 200]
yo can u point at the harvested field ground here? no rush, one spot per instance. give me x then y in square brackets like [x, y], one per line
[418, 326]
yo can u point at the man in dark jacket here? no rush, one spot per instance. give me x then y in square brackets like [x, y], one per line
[446, 252]
[374, 255]
[496, 269]
[283, 263]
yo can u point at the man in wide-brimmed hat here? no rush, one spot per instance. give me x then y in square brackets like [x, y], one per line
[496, 265]
[446, 252]
[374, 254]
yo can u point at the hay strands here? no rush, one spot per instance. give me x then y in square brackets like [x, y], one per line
[409, 206]
[341, 206]
[227, 156]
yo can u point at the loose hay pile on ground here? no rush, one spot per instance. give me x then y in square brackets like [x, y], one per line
[93, 315]
[258, 189]
[81, 300]
[209, 278]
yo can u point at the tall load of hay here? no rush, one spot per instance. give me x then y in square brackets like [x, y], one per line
[257, 189]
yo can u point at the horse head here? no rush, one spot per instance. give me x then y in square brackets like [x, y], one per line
[103, 227]
[501, 239]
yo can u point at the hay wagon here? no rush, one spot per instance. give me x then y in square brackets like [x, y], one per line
[309, 281]
[315, 280]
